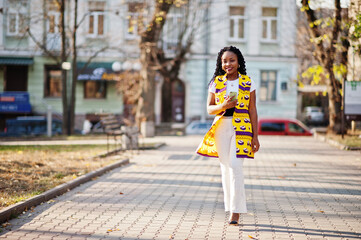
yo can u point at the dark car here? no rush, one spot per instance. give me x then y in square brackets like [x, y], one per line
[279, 126]
[30, 126]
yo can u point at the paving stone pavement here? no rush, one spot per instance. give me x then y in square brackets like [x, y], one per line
[297, 188]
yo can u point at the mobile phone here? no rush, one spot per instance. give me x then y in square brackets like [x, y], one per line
[233, 95]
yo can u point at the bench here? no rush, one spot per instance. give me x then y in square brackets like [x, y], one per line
[113, 128]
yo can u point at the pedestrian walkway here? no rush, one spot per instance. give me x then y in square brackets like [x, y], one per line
[98, 141]
[297, 188]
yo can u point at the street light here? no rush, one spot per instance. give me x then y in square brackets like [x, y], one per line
[137, 66]
[66, 66]
[127, 65]
[116, 66]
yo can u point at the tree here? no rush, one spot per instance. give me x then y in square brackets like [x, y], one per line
[330, 51]
[54, 55]
[67, 50]
[355, 41]
[152, 56]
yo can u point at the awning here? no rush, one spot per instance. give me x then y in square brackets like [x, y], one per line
[14, 102]
[96, 71]
[16, 61]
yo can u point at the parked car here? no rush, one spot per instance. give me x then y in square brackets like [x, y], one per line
[313, 115]
[279, 126]
[198, 127]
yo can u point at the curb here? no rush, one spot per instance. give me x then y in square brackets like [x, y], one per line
[115, 151]
[335, 143]
[11, 211]
[152, 147]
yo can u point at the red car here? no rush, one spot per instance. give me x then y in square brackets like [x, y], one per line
[279, 126]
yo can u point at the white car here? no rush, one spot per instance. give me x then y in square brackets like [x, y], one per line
[313, 115]
[198, 127]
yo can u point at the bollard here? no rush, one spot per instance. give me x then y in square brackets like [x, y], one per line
[49, 121]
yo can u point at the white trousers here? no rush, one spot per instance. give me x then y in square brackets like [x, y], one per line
[231, 167]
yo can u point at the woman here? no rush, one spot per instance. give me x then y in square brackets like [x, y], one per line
[233, 135]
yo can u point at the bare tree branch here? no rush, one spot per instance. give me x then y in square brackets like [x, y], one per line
[90, 59]
[43, 47]
[314, 31]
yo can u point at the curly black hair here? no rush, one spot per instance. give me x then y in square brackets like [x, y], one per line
[242, 64]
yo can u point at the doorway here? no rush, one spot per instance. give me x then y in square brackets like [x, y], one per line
[16, 78]
[173, 101]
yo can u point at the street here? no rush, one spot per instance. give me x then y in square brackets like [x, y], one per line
[296, 187]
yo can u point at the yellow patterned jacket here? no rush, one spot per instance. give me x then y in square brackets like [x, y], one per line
[241, 120]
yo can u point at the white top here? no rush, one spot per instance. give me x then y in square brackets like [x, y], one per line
[232, 86]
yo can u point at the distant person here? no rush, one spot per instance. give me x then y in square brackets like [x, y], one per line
[87, 126]
[233, 135]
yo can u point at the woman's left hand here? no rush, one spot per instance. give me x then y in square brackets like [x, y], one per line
[255, 144]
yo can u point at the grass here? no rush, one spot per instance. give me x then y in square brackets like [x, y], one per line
[57, 137]
[348, 140]
[351, 139]
[26, 171]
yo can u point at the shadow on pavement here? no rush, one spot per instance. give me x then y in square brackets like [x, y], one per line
[302, 231]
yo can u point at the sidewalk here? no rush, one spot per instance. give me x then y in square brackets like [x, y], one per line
[99, 141]
[297, 188]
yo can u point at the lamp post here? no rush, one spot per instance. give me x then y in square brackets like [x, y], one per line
[66, 66]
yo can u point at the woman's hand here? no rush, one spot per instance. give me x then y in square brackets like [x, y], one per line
[229, 103]
[255, 144]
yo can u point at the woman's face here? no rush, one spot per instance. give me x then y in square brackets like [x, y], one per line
[230, 63]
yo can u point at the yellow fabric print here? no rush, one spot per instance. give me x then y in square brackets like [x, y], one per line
[241, 120]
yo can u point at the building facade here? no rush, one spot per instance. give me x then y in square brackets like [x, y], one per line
[263, 30]
[30, 36]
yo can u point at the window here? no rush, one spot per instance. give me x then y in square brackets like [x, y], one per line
[269, 24]
[53, 83]
[94, 89]
[294, 128]
[96, 19]
[268, 85]
[236, 23]
[53, 17]
[133, 19]
[172, 30]
[272, 127]
[16, 17]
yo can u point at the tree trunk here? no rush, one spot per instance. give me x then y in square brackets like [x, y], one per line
[145, 107]
[334, 103]
[75, 75]
[327, 59]
[63, 72]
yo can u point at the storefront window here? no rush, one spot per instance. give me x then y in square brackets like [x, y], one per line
[53, 83]
[95, 89]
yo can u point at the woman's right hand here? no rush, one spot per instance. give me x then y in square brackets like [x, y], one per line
[229, 103]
